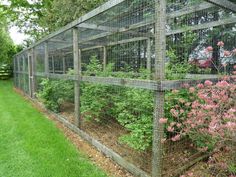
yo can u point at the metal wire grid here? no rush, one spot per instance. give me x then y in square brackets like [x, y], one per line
[124, 36]
[21, 65]
[104, 115]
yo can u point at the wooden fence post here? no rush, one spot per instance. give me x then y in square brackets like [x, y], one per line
[77, 70]
[29, 72]
[46, 59]
[104, 57]
[149, 61]
[19, 75]
[64, 63]
[160, 54]
[14, 71]
[24, 75]
[53, 65]
[33, 69]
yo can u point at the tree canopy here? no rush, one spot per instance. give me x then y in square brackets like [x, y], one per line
[37, 19]
[56, 16]
[44, 16]
[7, 47]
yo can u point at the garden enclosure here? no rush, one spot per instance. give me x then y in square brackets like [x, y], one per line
[108, 75]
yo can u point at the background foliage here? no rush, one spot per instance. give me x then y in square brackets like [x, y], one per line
[7, 47]
[44, 16]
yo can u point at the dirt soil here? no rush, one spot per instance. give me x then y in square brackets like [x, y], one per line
[215, 165]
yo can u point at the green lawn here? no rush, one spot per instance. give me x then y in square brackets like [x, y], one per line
[32, 146]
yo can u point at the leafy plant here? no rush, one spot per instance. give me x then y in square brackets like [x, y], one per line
[5, 71]
[232, 168]
[135, 112]
[133, 108]
[176, 69]
[97, 101]
[55, 92]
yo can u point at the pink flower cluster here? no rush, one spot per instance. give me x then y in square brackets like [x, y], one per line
[213, 113]
[220, 44]
[209, 116]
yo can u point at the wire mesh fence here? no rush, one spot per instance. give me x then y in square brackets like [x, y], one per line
[103, 75]
[104, 112]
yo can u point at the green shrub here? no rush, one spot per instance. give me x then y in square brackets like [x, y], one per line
[131, 108]
[135, 112]
[97, 101]
[5, 71]
[176, 69]
[55, 92]
[232, 168]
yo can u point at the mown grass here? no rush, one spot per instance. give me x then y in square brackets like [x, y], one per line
[32, 146]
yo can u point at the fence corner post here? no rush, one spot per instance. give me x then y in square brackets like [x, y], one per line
[104, 57]
[160, 55]
[77, 70]
[33, 72]
[46, 60]
[149, 53]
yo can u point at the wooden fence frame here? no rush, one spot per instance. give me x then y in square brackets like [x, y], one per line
[159, 85]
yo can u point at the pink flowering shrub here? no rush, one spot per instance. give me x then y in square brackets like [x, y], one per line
[206, 115]
[212, 119]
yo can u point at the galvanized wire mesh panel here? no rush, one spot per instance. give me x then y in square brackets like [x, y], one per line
[57, 95]
[60, 53]
[194, 35]
[121, 35]
[69, 64]
[39, 53]
[21, 67]
[120, 118]
[193, 32]
[88, 54]
[120, 43]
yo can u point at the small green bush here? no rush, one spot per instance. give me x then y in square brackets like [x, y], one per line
[131, 108]
[135, 112]
[55, 92]
[5, 71]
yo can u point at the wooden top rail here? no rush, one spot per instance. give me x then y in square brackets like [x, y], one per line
[133, 83]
